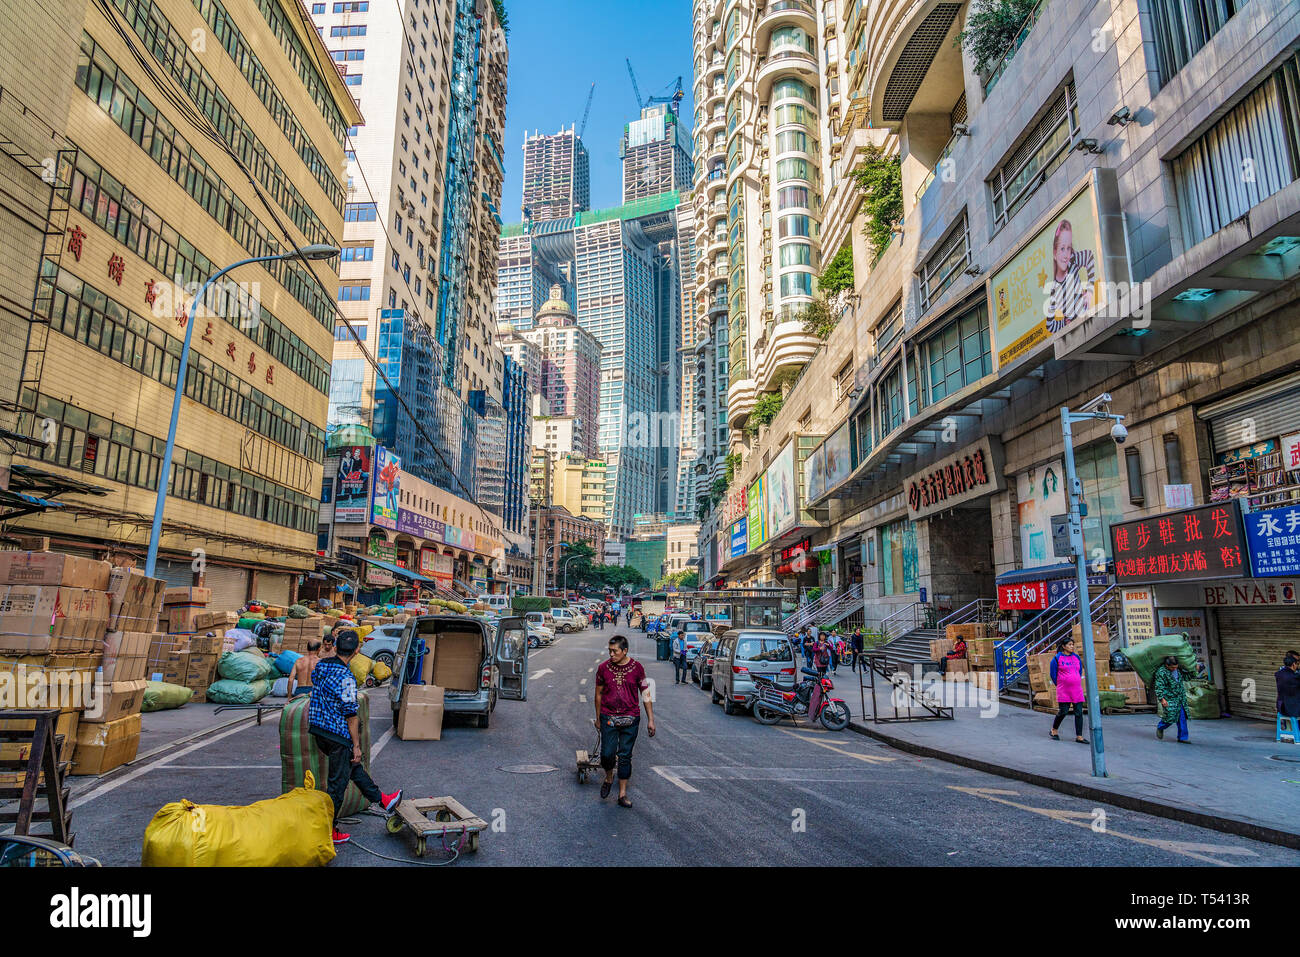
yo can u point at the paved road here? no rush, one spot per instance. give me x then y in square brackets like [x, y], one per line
[708, 789]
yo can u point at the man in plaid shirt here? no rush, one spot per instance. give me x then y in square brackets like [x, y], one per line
[335, 728]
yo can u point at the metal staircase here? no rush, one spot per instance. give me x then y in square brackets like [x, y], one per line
[830, 609]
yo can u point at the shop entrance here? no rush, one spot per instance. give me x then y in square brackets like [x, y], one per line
[1254, 641]
[960, 546]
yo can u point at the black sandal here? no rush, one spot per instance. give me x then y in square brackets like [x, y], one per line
[605, 787]
[625, 801]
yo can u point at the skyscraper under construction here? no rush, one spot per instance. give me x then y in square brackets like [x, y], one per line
[557, 176]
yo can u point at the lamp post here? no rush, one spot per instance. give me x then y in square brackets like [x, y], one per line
[1092, 410]
[316, 251]
[564, 566]
[546, 574]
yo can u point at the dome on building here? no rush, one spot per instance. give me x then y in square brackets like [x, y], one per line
[555, 309]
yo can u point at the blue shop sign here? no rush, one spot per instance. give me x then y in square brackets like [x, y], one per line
[1012, 659]
[1068, 587]
[1273, 539]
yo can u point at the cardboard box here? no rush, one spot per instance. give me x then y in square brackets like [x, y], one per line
[1100, 639]
[940, 647]
[985, 680]
[1126, 680]
[982, 661]
[216, 620]
[958, 666]
[51, 618]
[103, 747]
[116, 701]
[421, 713]
[215, 644]
[126, 655]
[970, 631]
[66, 724]
[135, 600]
[1046, 699]
[200, 670]
[1136, 695]
[188, 595]
[458, 660]
[985, 647]
[53, 568]
[176, 667]
[65, 681]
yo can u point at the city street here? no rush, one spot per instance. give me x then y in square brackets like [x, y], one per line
[708, 789]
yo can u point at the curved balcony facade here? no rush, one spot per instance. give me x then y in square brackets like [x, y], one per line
[796, 13]
[788, 61]
[787, 350]
[741, 396]
[915, 64]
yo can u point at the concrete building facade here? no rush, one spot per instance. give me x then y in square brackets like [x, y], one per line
[557, 176]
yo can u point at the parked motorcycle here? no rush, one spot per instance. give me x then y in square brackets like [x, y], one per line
[771, 703]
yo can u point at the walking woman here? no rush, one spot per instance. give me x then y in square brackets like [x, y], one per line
[1067, 675]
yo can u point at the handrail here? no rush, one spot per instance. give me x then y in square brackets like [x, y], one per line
[981, 607]
[909, 615]
[1056, 621]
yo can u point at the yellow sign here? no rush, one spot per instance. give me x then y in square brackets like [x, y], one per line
[1054, 280]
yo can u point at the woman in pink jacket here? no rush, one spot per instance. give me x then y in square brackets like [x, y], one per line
[1067, 675]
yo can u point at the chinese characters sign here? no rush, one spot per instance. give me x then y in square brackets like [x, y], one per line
[1025, 596]
[1205, 542]
[972, 472]
[1274, 537]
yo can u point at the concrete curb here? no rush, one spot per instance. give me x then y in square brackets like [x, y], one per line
[1227, 825]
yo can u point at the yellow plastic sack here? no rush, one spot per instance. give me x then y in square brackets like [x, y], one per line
[292, 830]
[364, 630]
[381, 671]
[361, 666]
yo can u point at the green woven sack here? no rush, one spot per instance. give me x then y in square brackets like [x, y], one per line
[228, 691]
[1148, 655]
[298, 752]
[161, 696]
[1202, 700]
[299, 611]
[1112, 699]
[244, 666]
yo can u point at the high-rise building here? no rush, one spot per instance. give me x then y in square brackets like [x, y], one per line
[578, 483]
[557, 176]
[133, 155]
[656, 154]
[559, 435]
[526, 355]
[524, 281]
[570, 369]
[683, 498]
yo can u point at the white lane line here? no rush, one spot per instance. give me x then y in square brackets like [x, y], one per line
[383, 740]
[135, 773]
[583, 681]
[582, 699]
[669, 776]
[590, 670]
[538, 674]
[870, 758]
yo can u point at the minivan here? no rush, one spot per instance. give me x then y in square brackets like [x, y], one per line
[500, 604]
[746, 651]
[567, 620]
[474, 661]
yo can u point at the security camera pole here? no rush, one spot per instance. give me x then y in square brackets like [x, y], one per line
[1090, 411]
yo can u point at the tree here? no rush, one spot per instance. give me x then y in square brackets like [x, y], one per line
[733, 462]
[683, 579]
[880, 178]
[502, 17]
[818, 318]
[991, 30]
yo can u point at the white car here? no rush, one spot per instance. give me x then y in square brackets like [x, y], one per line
[567, 620]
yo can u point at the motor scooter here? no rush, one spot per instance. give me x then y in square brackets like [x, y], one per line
[771, 704]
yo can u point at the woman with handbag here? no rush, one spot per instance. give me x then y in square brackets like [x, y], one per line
[621, 689]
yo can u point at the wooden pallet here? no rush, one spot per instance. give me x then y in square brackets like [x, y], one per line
[1131, 709]
[443, 820]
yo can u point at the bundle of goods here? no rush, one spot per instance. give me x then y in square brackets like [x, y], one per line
[299, 754]
[192, 663]
[162, 696]
[244, 678]
[182, 606]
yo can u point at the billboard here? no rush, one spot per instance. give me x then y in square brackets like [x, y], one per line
[782, 507]
[837, 457]
[1274, 537]
[352, 485]
[1058, 276]
[1204, 542]
[758, 532]
[739, 538]
[387, 488]
[1040, 492]
[378, 548]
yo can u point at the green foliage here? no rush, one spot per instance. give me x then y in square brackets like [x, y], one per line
[684, 579]
[502, 17]
[838, 274]
[765, 410]
[818, 318]
[733, 462]
[813, 594]
[880, 178]
[991, 30]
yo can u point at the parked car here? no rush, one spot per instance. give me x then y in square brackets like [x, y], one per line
[29, 851]
[381, 644]
[567, 620]
[541, 622]
[747, 651]
[702, 667]
[475, 661]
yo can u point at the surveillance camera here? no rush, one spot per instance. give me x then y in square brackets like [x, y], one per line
[1121, 117]
[1119, 433]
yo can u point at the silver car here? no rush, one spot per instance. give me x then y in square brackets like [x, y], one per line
[381, 644]
[749, 651]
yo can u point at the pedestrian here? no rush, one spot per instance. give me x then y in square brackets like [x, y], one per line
[821, 656]
[599, 619]
[333, 723]
[836, 649]
[680, 671]
[621, 689]
[302, 668]
[1288, 688]
[1172, 696]
[1067, 675]
[855, 643]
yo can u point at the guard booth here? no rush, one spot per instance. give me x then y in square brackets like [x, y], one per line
[744, 607]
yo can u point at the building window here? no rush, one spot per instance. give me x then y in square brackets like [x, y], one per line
[360, 213]
[359, 252]
[348, 55]
[317, 8]
[1259, 136]
[352, 6]
[945, 264]
[1042, 150]
[898, 567]
[341, 333]
[358, 30]
[889, 401]
[844, 381]
[354, 292]
[352, 79]
[958, 354]
[889, 328]
[1181, 27]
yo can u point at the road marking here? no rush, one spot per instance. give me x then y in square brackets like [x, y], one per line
[871, 758]
[590, 670]
[668, 775]
[583, 681]
[1084, 819]
[582, 699]
[847, 775]
[136, 772]
[383, 740]
[538, 674]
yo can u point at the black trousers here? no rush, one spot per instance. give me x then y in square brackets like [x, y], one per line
[1062, 709]
[681, 670]
[616, 745]
[342, 770]
[854, 661]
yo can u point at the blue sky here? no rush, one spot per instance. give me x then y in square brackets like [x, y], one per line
[558, 47]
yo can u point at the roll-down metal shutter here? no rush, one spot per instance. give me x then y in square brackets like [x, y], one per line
[273, 589]
[229, 587]
[1254, 641]
[175, 574]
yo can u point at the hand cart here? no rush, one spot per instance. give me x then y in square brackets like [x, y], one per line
[589, 760]
[453, 825]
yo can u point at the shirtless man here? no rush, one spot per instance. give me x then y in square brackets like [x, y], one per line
[301, 674]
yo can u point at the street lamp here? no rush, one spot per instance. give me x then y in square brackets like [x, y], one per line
[545, 573]
[564, 566]
[316, 251]
[1092, 410]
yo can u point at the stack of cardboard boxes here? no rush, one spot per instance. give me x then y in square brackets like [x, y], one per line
[298, 631]
[1040, 673]
[192, 662]
[182, 606]
[80, 630]
[980, 664]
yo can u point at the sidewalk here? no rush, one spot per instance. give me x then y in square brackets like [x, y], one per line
[1233, 777]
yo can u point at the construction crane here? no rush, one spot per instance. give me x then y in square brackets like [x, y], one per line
[673, 101]
[587, 112]
[635, 88]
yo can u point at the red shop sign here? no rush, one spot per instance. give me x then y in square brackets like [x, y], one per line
[1025, 596]
[1197, 543]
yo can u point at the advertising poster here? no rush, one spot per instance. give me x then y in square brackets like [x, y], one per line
[783, 512]
[758, 533]
[814, 474]
[740, 538]
[352, 486]
[1274, 538]
[1139, 615]
[378, 548]
[1041, 494]
[1200, 543]
[837, 458]
[1191, 621]
[388, 478]
[1054, 280]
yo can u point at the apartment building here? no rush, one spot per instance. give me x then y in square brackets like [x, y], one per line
[557, 176]
[174, 146]
[1072, 229]
[578, 484]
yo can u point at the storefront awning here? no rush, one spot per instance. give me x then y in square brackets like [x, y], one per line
[1043, 573]
[395, 569]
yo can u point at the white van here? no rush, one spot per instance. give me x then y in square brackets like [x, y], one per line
[567, 620]
[500, 604]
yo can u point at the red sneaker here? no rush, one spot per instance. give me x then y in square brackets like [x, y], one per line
[390, 801]
[340, 837]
